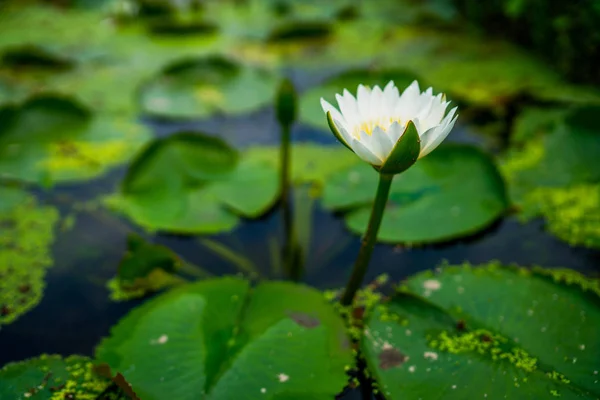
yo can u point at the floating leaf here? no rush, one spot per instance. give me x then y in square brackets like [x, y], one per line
[26, 233]
[477, 69]
[488, 332]
[558, 176]
[535, 122]
[192, 183]
[52, 138]
[203, 87]
[453, 192]
[51, 377]
[310, 106]
[219, 340]
[22, 26]
[309, 162]
[300, 30]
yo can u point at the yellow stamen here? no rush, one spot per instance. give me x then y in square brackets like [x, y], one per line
[369, 126]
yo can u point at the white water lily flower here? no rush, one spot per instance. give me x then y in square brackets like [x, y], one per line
[375, 124]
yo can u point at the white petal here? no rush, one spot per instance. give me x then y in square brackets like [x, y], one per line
[343, 131]
[428, 137]
[363, 98]
[371, 143]
[384, 141]
[437, 111]
[438, 136]
[412, 89]
[390, 98]
[395, 131]
[348, 107]
[335, 114]
[364, 153]
[409, 103]
[376, 103]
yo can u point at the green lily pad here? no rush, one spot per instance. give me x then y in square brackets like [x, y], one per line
[532, 123]
[26, 234]
[310, 163]
[216, 339]
[477, 69]
[487, 332]
[453, 192]
[50, 377]
[557, 176]
[202, 87]
[300, 30]
[310, 105]
[53, 139]
[192, 183]
[82, 41]
[107, 58]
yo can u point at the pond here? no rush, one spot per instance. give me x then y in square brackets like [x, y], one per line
[143, 226]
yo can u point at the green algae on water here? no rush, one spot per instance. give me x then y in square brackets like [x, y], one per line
[25, 238]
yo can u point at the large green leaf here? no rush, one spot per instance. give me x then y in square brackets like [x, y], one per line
[454, 191]
[193, 183]
[199, 88]
[26, 234]
[218, 339]
[488, 332]
[557, 175]
[51, 377]
[52, 139]
[310, 106]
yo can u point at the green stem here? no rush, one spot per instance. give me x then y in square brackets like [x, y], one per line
[284, 180]
[193, 270]
[290, 250]
[368, 243]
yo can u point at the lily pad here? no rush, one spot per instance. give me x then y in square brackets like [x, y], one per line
[557, 176]
[217, 339]
[455, 191]
[49, 377]
[300, 30]
[310, 163]
[53, 139]
[26, 234]
[199, 88]
[486, 332]
[310, 106]
[82, 41]
[193, 183]
[477, 69]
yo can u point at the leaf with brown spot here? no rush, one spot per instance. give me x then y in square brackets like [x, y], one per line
[390, 358]
[305, 320]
